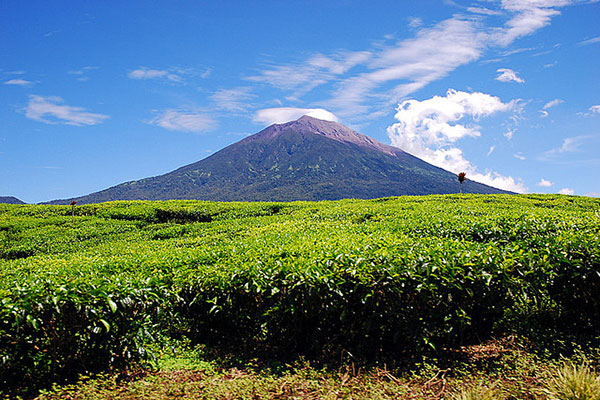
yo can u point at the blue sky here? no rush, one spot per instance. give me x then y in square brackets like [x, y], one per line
[93, 93]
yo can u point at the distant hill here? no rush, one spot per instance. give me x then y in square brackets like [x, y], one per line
[307, 159]
[10, 200]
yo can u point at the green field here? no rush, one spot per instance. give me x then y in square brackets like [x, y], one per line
[366, 282]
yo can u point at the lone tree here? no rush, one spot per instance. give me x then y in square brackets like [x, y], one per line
[73, 209]
[461, 178]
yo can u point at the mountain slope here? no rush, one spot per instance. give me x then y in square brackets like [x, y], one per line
[10, 200]
[307, 159]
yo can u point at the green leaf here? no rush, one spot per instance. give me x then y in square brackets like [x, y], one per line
[106, 324]
[112, 305]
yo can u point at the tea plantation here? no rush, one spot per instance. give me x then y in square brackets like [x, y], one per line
[87, 287]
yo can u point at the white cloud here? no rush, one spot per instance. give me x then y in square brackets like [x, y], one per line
[366, 84]
[484, 11]
[568, 191]
[508, 75]
[595, 109]
[143, 73]
[147, 73]
[50, 111]
[528, 17]
[491, 150]
[569, 145]
[545, 183]
[544, 113]
[232, 100]
[552, 103]
[519, 156]
[499, 181]
[280, 115]
[593, 194]
[590, 41]
[184, 120]
[509, 134]
[428, 129]
[415, 22]
[18, 82]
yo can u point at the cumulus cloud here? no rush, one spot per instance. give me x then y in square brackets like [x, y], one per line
[18, 82]
[568, 191]
[508, 75]
[50, 110]
[184, 121]
[545, 183]
[430, 128]
[280, 115]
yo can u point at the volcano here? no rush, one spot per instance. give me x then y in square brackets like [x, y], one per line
[306, 159]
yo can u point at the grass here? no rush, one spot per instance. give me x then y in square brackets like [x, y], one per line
[498, 369]
[574, 382]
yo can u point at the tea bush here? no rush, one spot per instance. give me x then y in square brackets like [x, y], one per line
[379, 279]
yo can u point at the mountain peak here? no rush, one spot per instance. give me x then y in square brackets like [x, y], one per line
[330, 129]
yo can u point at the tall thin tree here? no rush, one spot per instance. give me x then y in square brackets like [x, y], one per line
[73, 209]
[461, 178]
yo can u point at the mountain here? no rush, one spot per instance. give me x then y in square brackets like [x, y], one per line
[10, 200]
[307, 159]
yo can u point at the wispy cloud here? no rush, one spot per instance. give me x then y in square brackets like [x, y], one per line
[280, 115]
[548, 105]
[508, 75]
[430, 128]
[491, 150]
[552, 103]
[82, 73]
[569, 145]
[528, 16]
[148, 73]
[143, 73]
[184, 120]
[545, 183]
[519, 156]
[482, 10]
[50, 110]
[18, 82]
[595, 109]
[415, 22]
[233, 100]
[361, 85]
[590, 41]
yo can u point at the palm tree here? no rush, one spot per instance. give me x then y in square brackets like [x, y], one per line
[461, 178]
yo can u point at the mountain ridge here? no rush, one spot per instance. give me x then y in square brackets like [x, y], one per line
[10, 200]
[306, 159]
